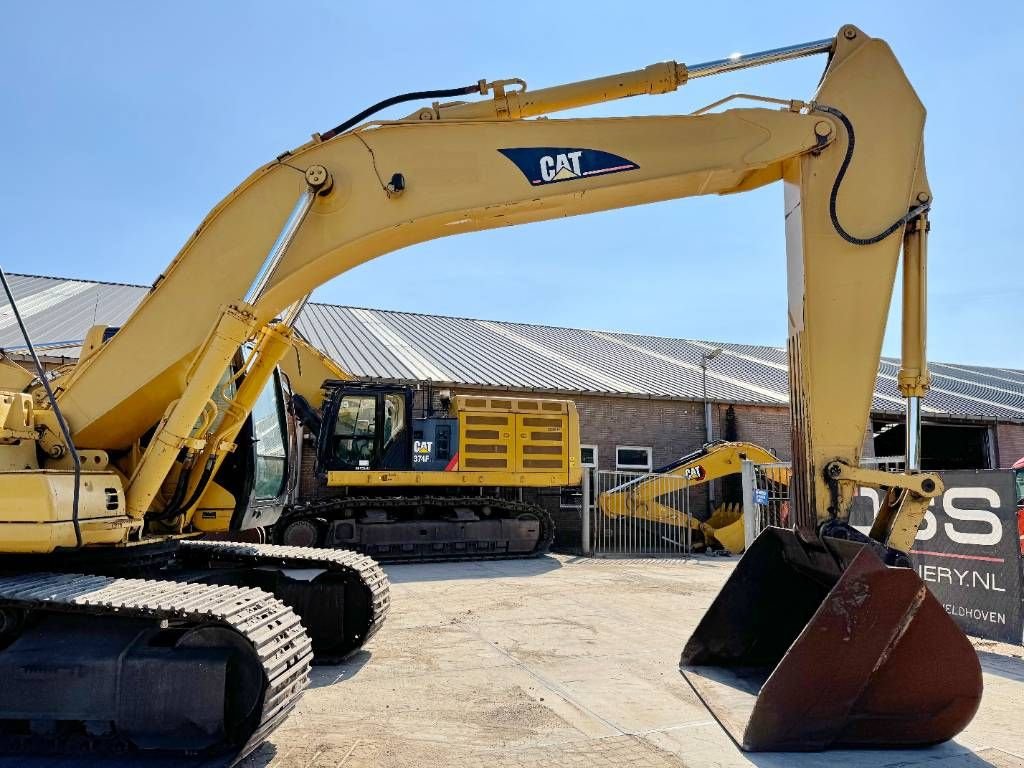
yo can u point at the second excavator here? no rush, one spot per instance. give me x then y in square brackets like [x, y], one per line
[402, 484]
[822, 636]
[641, 498]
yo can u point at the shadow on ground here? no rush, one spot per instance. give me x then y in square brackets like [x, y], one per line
[329, 674]
[1009, 667]
[406, 573]
[948, 755]
[699, 560]
[259, 759]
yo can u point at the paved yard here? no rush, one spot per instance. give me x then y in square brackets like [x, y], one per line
[563, 661]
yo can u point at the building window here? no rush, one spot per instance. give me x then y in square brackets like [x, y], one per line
[633, 457]
[588, 455]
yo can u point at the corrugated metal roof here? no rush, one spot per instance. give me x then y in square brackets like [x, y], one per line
[62, 310]
[380, 344]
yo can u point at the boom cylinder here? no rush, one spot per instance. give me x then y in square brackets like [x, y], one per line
[172, 434]
[317, 181]
[663, 77]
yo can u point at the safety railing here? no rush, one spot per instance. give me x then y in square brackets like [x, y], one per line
[636, 514]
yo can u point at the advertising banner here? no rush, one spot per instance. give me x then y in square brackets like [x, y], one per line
[968, 552]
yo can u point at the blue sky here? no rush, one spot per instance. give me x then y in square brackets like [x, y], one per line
[124, 123]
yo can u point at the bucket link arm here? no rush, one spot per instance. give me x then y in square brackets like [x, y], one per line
[904, 503]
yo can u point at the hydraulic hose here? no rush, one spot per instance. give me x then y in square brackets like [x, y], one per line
[64, 429]
[200, 488]
[843, 168]
[445, 93]
[174, 509]
[180, 486]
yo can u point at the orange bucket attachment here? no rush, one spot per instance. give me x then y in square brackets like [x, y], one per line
[811, 646]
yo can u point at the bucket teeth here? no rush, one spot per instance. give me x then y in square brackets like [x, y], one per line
[798, 653]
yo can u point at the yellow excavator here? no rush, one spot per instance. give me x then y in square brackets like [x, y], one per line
[404, 484]
[641, 498]
[821, 637]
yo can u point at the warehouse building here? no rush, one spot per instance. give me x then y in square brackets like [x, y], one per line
[643, 400]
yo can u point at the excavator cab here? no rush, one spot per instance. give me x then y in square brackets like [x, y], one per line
[367, 427]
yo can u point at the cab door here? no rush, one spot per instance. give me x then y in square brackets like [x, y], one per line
[349, 439]
[365, 429]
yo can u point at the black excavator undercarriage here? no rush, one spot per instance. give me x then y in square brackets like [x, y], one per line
[416, 528]
[206, 653]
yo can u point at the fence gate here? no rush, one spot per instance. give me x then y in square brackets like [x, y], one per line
[636, 514]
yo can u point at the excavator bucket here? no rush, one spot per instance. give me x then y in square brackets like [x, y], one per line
[726, 526]
[816, 645]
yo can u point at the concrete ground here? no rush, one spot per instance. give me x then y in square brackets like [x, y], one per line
[564, 661]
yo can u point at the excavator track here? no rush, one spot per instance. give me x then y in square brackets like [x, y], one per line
[416, 535]
[342, 607]
[269, 650]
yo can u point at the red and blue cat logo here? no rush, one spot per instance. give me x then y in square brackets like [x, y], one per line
[548, 165]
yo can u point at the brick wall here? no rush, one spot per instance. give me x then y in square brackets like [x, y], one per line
[671, 428]
[1010, 440]
[768, 426]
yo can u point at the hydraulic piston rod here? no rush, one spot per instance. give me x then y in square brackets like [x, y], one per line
[513, 101]
[913, 377]
[318, 180]
[747, 60]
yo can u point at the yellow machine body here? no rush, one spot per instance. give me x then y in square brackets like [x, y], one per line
[504, 442]
[35, 509]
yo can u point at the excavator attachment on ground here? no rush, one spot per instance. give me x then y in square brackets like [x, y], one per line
[642, 498]
[813, 646]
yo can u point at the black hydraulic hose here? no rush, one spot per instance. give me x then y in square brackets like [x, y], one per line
[65, 431]
[180, 486]
[445, 93]
[204, 480]
[851, 141]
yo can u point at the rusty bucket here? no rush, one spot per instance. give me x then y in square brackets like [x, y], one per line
[817, 645]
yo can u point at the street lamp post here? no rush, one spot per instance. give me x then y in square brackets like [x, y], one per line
[707, 357]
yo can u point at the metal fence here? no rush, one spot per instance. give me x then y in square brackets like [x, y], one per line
[770, 497]
[630, 514]
[642, 514]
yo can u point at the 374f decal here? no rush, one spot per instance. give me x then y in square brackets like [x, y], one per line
[549, 165]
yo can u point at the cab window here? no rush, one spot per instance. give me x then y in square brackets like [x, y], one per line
[354, 430]
[271, 453]
[394, 418]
